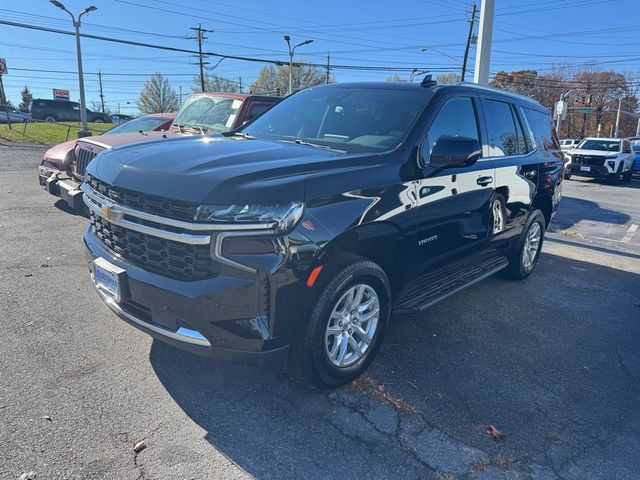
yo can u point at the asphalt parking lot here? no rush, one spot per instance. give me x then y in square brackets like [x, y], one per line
[552, 362]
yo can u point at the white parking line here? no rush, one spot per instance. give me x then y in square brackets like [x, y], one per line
[629, 235]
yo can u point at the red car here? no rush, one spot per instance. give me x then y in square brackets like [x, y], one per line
[53, 159]
[201, 113]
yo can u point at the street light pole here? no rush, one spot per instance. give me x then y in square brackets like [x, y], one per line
[84, 131]
[287, 39]
[563, 97]
[618, 118]
[485, 35]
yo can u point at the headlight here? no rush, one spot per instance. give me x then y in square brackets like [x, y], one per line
[279, 217]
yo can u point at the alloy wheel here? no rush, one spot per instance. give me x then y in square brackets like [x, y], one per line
[352, 325]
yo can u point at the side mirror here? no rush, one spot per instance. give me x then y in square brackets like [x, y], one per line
[450, 152]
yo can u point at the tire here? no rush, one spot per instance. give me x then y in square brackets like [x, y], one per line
[50, 118]
[317, 351]
[567, 174]
[626, 176]
[99, 120]
[519, 268]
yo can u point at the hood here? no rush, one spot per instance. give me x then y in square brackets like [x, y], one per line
[591, 153]
[219, 170]
[118, 139]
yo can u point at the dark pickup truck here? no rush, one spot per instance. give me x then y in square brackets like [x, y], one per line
[291, 240]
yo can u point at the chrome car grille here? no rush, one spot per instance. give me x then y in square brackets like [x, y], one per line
[176, 209]
[158, 255]
[84, 154]
[593, 160]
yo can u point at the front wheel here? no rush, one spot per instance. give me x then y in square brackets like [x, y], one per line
[345, 323]
[626, 176]
[526, 253]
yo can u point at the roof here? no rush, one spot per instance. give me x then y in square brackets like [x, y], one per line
[415, 86]
[238, 96]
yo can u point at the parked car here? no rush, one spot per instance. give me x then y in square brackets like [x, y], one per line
[200, 113]
[608, 158]
[15, 116]
[636, 151]
[119, 118]
[53, 160]
[568, 144]
[63, 111]
[290, 241]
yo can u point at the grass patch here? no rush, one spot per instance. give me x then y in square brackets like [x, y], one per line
[47, 133]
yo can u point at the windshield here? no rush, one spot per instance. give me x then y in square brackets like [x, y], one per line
[602, 145]
[143, 124]
[209, 112]
[347, 119]
[636, 147]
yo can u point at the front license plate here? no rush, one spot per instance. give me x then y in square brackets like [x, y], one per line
[585, 169]
[107, 278]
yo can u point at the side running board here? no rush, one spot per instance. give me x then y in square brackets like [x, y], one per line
[434, 287]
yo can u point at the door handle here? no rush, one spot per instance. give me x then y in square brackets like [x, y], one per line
[484, 181]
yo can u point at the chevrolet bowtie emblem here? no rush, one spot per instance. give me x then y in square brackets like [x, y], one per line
[110, 214]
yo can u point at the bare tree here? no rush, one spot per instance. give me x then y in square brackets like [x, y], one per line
[215, 83]
[157, 96]
[275, 80]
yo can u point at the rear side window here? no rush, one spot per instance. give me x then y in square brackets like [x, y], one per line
[456, 118]
[543, 131]
[505, 134]
[258, 109]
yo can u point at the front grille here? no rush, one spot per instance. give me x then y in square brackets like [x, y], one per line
[172, 259]
[164, 207]
[84, 154]
[593, 160]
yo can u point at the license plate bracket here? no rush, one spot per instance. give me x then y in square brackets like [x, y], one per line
[109, 279]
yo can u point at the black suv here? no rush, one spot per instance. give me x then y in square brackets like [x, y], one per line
[62, 111]
[291, 240]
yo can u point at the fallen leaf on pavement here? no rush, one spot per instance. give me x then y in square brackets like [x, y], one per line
[28, 274]
[27, 476]
[44, 265]
[138, 447]
[495, 433]
[47, 417]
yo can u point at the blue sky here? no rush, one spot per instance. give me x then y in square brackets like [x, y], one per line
[534, 34]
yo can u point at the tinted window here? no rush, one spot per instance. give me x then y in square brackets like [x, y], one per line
[456, 118]
[504, 138]
[350, 119]
[626, 146]
[542, 127]
[258, 109]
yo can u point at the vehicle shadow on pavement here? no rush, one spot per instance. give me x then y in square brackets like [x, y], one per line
[546, 361]
[62, 205]
[573, 210]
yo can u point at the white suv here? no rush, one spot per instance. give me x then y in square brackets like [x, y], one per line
[609, 158]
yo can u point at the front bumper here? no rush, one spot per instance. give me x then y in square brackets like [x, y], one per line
[215, 317]
[61, 185]
[595, 171]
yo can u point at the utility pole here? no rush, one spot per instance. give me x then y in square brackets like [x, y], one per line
[240, 84]
[618, 117]
[485, 35]
[201, 57]
[638, 128]
[180, 87]
[101, 94]
[469, 37]
[328, 67]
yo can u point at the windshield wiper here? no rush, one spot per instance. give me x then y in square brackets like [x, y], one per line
[297, 141]
[239, 134]
[196, 127]
[179, 127]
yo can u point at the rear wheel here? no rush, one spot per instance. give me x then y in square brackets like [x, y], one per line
[99, 120]
[50, 118]
[526, 253]
[345, 323]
